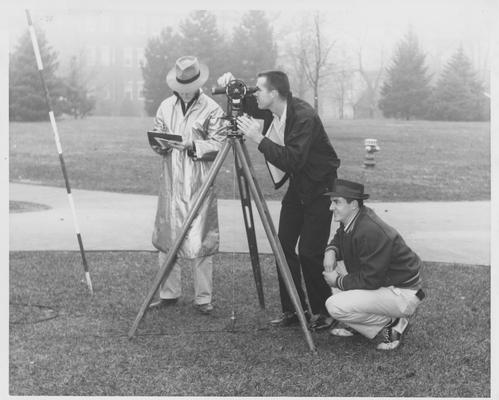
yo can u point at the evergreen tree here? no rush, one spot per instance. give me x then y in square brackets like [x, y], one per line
[26, 95]
[160, 54]
[458, 95]
[252, 47]
[406, 87]
[200, 37]
[76, 100]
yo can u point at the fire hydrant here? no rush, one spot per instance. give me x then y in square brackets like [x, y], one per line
[372, 147]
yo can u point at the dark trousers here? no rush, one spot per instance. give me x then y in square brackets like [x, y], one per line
[310, 224]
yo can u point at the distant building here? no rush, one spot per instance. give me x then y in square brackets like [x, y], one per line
[109, 46]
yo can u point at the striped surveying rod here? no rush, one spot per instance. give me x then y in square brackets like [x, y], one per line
[36, 49]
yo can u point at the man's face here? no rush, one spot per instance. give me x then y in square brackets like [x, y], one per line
[341, 209]
[264, 96]
[187, 96]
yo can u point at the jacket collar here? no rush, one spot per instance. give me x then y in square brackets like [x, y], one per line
[189, 106]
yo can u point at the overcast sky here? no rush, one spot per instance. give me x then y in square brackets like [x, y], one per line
[441, 25]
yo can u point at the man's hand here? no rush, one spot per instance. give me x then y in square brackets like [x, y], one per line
[160, 150]
[329, 261]
[180, 146]
[250, 127]
[225, 79]
[201, 129]
[330, 278]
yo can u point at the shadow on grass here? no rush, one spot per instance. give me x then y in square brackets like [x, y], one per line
[24, 206]
[85, 349]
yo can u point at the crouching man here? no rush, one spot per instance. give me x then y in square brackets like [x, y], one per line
[380, 286]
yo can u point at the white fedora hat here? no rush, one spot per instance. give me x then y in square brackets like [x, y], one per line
[187, 75]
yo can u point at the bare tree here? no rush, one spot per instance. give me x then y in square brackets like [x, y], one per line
[294, 34]
[290, 63]
[343, 88]
[301, 83]
[313, 56]
[370, 95]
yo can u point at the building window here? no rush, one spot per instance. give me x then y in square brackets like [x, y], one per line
[127, 24]
[141, 59]
[113, 55]
[129, 90]
[105, 55]
[140, 90]
[140, 25]
[106, 92]
[90, 25]
[78, 24]
[105, 23]
[127, 56]
[91, 56]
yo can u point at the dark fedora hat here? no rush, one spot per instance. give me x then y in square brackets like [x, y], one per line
[346, 189]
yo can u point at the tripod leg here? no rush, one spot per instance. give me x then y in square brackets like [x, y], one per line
[250, 229]
[167, 266]
[274, 242]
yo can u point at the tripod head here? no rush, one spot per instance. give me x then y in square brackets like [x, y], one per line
[236, 90]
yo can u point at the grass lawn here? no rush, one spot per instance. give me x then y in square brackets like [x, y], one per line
[62, 342]
[419, 160]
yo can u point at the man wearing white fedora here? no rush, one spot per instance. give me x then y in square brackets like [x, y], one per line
[185, 165]
[380, 284]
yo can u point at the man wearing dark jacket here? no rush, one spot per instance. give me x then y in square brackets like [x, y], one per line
[296, 148]
[381, 286]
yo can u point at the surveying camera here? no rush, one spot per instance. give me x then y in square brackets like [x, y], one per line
[236, 90]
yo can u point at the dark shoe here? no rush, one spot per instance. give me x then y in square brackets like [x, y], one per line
[391, 335]
[321, 322]
[206, 308]
[285, 319]
[162, 303]
[288, 318]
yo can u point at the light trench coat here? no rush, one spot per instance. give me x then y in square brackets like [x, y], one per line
[182, 177]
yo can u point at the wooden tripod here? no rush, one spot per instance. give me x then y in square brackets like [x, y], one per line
[246, 174]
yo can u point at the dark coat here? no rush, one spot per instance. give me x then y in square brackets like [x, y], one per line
[307, 157]
[375, 255]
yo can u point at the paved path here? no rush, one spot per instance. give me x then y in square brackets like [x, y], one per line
[438, 231]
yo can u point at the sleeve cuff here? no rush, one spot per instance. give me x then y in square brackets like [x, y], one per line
[331, 247]
[192, 152]
[339, 282]
[260, 147]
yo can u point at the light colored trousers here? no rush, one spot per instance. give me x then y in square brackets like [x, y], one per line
[202, 268]
[368, 311]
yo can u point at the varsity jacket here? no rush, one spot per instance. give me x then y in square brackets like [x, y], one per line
[375, 255]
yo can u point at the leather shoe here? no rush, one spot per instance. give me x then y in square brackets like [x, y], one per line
[288, 318]
[205, 308]
[162, 303]
[320, 323]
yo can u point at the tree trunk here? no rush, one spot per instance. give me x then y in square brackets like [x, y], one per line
[316, 97]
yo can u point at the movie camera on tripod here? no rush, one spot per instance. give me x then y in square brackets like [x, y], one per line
[236, 90]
